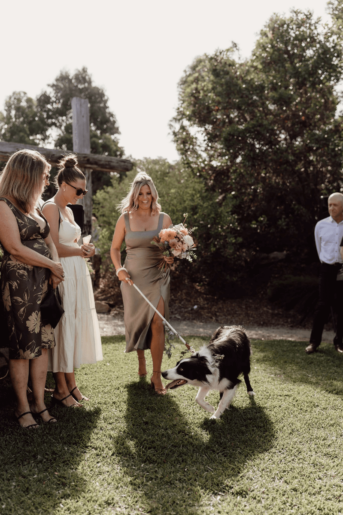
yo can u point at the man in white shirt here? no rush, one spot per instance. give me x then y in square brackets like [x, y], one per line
[328, 236]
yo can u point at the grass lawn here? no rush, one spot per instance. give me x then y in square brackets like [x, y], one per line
[131, 451]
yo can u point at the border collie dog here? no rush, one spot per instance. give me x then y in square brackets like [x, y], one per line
[216, 367]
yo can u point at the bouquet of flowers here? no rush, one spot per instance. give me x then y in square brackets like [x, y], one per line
[176, 241]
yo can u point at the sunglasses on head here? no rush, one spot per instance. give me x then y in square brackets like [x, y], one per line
[79, 191]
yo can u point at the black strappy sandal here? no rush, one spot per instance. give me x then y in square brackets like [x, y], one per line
[39, 415]
[55, 401]
[25, 413]
[83, 398]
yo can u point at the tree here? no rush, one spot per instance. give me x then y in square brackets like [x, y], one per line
[47, 119]
[21, 121]
[265, 131]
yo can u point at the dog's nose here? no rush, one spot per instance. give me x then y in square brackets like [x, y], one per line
[164, 374]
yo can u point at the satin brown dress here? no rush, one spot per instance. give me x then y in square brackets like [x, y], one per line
[142, 260]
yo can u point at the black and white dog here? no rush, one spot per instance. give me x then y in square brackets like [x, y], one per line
[216, 367]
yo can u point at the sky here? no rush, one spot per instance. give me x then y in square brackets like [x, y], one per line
[137, 50]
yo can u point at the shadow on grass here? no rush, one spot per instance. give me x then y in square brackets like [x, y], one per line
[173, 459]
[323, 369]
[39, 467]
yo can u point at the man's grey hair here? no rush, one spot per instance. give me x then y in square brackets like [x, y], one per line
[338, 196]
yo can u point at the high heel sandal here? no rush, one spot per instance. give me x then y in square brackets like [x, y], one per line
[60, 402]
[159, 391]
[83, 398]
[139, 360]
[25, 413]
[39, 414]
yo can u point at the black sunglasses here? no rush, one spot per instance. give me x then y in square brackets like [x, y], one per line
[79, 191]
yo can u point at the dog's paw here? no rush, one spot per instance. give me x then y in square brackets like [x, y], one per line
[251, 394]
[214, 417]
[209, 408]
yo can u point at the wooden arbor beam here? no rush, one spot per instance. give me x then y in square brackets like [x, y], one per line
[86, 161]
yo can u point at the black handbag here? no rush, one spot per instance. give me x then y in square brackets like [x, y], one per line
[51, 307]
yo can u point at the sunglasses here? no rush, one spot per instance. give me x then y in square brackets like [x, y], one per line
[79, 191]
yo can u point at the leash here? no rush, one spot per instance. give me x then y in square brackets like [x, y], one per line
[164, 320]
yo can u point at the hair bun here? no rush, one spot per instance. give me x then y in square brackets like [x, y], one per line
[68, 162]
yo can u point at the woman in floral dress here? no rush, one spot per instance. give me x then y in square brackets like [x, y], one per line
[30, 262]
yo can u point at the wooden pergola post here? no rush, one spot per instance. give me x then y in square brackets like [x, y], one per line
[82, 144]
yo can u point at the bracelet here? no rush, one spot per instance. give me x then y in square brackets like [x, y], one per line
[120, 269]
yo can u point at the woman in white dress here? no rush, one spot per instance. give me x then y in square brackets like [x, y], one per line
[77, 335]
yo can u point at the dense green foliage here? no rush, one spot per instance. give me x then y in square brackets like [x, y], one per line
[132, 452]
[47, 118]
[299, 294]
[180, 192]
[265, 132]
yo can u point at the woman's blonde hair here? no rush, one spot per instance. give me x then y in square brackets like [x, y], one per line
[22, 178]
[131, 200]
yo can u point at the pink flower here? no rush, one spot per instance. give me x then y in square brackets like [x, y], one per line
[167, 234]
[173, 243]
[177, 247]
[184, 231]
[184, 247]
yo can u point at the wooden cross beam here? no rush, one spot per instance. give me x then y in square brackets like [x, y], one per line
[86, 161]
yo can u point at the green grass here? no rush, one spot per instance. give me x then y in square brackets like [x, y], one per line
[133, 452]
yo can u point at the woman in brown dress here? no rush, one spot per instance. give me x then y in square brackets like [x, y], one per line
[30, 262]
[140, 222]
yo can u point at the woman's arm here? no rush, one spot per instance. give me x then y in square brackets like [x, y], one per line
[10, 239]
[118, 238]
[55, 280]
[341, 252]
[52, 248]
[167, 223]
[52, 215]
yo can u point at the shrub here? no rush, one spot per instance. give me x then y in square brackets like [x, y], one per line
[299, 294]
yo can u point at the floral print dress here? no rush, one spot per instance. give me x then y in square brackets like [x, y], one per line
[23, 287]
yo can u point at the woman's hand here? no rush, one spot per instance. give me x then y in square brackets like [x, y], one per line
[88, 250]
[125, 277]
[169, 260]
[57, 270]
[54, 280]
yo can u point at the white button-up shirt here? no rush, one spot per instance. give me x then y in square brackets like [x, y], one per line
[328, 235]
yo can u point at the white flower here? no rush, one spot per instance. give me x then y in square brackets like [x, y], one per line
[188, 240]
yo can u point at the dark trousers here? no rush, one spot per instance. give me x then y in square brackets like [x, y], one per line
[330, 297]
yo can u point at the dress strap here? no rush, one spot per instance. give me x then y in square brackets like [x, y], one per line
[160, 222]
[60, 217]
[127, 222]
[13, 208]
[8, 202]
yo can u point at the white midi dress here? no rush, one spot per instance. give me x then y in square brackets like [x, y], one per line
[77, 334]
